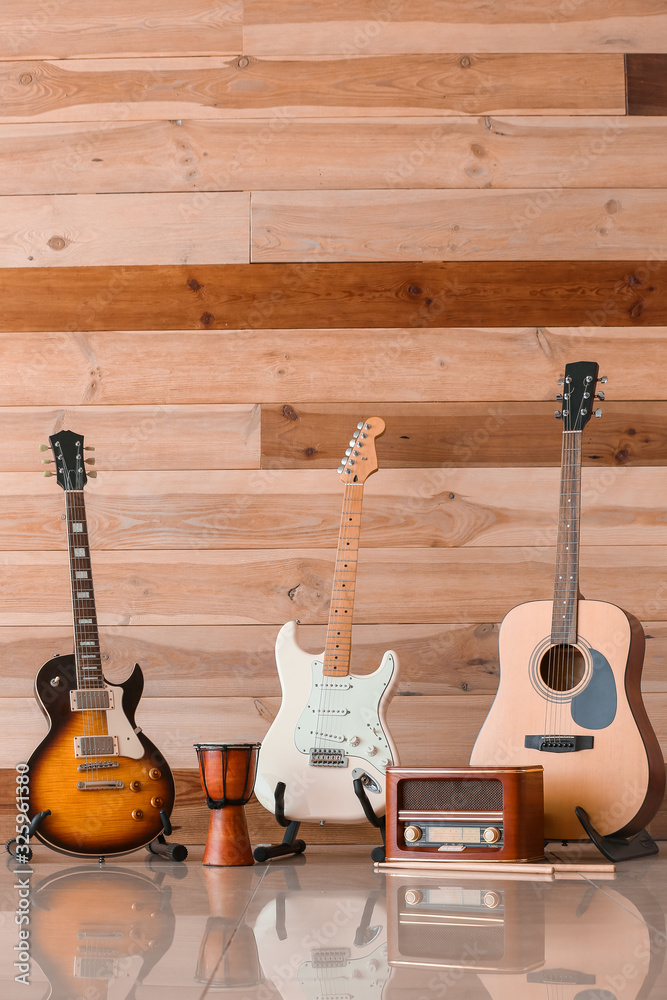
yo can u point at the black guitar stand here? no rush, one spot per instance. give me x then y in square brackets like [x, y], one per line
[642, 845]
[34, 823]
[290, 845]
[174, 852]
[378, 853]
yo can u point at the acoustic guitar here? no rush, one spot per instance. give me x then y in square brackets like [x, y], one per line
[101, 783]
[570, 670]
[331, 728]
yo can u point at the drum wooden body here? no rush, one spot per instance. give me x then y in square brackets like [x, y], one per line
[227, 772]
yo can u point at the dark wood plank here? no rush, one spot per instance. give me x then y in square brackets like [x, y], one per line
[646, 77]
[326, 296]
[247, 86]
[441, 435]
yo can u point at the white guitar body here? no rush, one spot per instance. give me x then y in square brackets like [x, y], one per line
[343, 720]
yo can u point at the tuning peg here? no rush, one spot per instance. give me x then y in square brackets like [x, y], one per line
[597, 413]
[559, 395]
[92, 475]
[89, 461]
[47, 473]
[340, 469]
[89, 447]
[557, 414]
[603, 379]
[47, 461]
[360, 425]
[348, 451]
[43, 447]
[600, 396]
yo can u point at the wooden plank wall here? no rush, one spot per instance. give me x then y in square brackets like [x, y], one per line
[231, 231]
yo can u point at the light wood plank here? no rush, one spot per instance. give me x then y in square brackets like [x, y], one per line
[158, 27]
[466, 225]
[174, 725]
[230, 660]
[331, 296]
[285, 27]
[329, 86]
[161, 436]
[289, 154]
[300, 436]
[254, 586]
[440, 508]
[181, 388]
[95, 230]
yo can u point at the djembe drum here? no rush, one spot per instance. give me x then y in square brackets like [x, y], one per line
[227, 772]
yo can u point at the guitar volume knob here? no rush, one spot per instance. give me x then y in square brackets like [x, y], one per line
[354, 741]
[154, 774]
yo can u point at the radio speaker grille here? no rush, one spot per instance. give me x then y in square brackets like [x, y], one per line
[474, 794]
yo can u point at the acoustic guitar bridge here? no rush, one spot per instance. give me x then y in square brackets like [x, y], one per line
[558, 744]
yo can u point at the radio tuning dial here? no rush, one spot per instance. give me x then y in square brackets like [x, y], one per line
[413, 896]
[491, 835]
[492, 899]
[412, 834]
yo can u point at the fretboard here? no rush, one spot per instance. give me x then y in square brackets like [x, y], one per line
[566, 581]
[86, 637]
[339, 633]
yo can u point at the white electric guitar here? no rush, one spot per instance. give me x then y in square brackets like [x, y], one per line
[331, 728]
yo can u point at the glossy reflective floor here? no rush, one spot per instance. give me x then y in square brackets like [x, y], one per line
[326, 926]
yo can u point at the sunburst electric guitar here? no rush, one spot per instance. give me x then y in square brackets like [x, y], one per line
[569, 693]
[98, 786]
[331, 727]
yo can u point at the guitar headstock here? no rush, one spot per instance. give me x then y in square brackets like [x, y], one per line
[68, 449]
[578, 395]
[360, 459]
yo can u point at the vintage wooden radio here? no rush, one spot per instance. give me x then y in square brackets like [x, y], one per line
[465, 813]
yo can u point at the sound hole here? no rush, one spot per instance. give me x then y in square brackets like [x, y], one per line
[562, 667]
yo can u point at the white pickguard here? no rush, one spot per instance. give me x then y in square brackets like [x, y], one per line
[345, 715]
[118, 725]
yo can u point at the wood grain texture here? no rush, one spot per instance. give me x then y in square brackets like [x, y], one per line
[439, 508]
[138, 438]
[48, 380]
[159, 27]
[331, 296]
[646, 77]
[442, 435]
[560, 224]
[97, 230]
[283, 27]
[228, 661]
[329, 86]
[289, 154]
[259, 586]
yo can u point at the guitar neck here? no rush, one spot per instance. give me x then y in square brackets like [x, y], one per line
[339, 633]
[566, 580]
[86, 636]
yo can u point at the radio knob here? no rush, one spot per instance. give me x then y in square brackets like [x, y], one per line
[492, 899]
[412, 834]
[413, 896]
[491, 835]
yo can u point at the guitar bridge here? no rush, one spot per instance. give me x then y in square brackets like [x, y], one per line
[558, 744]
[327, 757]
[95, 786]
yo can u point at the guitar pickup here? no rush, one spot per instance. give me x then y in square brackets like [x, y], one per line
[90, 699]
[96, 746]
[558, 744]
